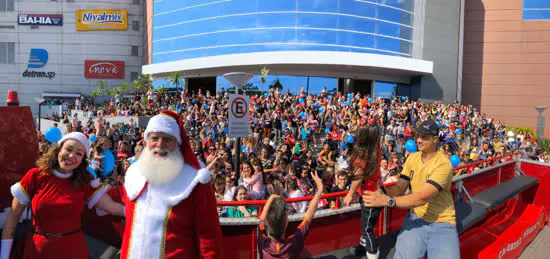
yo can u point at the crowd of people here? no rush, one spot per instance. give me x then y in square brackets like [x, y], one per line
[292, 136]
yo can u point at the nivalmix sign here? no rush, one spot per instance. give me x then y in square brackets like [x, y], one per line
[40, 19]
[38, 59]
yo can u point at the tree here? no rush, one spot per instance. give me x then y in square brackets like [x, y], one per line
[264, 73]
[176, 79]
[276, 85]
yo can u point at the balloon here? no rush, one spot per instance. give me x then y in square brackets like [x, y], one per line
[410, 146]
[268, 107]
[293, 109]
[370, 100]
[350, 95]
[225, 130]
[329, 96]
[457, 131]
[316, 104]
[349, 139]
[322, 109]
[107, 163]
[327, 131]
[302, 114]
[205, 105]
[455, 160]
[266, 95]
[343, 145]
[364, 102]
[403, 98]
[347, 103]
[438, 123]
[93, 138]
[301, 100]
[53, 134]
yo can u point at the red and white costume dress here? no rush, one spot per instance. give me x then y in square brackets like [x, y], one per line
[174, 220]
[56, 206]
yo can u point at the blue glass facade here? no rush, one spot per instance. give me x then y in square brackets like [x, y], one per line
[536, 10]
[198, 28]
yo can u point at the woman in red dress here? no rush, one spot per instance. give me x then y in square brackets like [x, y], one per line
[57, 191]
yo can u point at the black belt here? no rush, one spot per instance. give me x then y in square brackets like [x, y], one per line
[56, 235]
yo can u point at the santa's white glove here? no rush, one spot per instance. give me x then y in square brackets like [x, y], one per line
[5, 248]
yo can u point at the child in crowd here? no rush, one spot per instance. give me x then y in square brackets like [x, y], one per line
[274, 221]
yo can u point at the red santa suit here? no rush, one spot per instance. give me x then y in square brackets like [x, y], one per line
[56, 207]
[174, 220]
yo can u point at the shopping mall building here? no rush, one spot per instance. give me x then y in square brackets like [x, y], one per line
[493, 54]
[61, 49]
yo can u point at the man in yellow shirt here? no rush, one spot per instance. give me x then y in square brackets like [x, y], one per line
[430, 225]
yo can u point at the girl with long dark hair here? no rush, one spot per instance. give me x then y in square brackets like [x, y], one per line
[365, 176]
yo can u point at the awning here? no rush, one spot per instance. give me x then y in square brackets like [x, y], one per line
[73, 95]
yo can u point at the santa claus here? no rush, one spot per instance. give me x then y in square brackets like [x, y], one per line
[170, 204]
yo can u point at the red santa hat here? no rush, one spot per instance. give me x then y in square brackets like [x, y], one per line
[171, 123]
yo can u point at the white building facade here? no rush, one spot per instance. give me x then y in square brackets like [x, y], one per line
[62, 48]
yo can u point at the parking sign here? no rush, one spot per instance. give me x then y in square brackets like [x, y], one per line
[239, 114]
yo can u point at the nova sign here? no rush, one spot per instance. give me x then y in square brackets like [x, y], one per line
[40, 19]
[104, 69]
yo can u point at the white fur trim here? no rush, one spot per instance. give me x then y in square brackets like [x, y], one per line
[62, 175]
[165, 124]
[96, 196]
[172, 193]
[20, 194]
[95, 183]
[78, 137]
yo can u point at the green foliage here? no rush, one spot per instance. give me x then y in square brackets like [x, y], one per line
[176, 79]
[545, 144]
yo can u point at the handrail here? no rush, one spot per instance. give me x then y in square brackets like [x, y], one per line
[260, 203]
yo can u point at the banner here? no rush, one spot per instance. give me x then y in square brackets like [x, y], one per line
[102, 20]
[104, 69]
[40, 19]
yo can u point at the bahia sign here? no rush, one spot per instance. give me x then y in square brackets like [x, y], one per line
[104, 69]
[40, 19]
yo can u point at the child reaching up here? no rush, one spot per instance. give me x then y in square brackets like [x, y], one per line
[274, 221]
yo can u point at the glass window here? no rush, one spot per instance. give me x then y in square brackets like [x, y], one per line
[135, 25]
[135, 51]
[7, 5]
[384, 89]
[536, 10]
[133, 76]
[7, 53]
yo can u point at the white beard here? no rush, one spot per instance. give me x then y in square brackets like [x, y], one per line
[159, 170]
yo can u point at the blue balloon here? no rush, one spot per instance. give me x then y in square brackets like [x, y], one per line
[53, 134]
[316, 104]
[93, 138]
[268, 107]
[302, 114]
[225, 130]
[205, 105]
[369, 100]
[92, 172]
[343, 145]
[455, 160]
[193, 101]
[457, 131]
[322, 109]
[347, 103]
[438, 123]
[349, 139]
[266, 95]
[301, 100]
[107, 163]
[327, 131]
[293, 109]
[403, 98]
[329, 96]
[350, 95]
[410, 146]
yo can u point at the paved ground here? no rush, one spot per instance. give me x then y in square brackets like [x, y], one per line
[540, 247]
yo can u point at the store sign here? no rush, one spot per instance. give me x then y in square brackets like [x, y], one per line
[40, 19]
[104, 69]
[102, 20]
[38, 58]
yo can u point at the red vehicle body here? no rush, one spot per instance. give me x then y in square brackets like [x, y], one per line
[503, 231]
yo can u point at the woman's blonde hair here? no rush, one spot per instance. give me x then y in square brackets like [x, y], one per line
[49, 162]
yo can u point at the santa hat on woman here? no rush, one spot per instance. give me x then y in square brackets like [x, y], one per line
[171, 123]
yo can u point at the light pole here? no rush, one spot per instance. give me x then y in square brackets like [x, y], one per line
[540, 121]
[238, 79]
[40, 101]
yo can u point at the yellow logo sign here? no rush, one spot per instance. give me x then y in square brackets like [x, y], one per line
[102, 20]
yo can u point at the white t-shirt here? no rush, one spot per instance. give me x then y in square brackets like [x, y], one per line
[299, 207]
